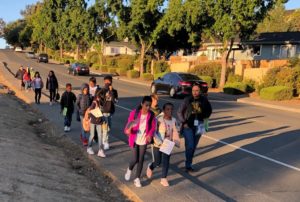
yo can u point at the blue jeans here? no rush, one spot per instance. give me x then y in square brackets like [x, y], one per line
[93, 129]
[68, 119]
[83, 133]
[106, 127]
[159, 158]
[191, 142]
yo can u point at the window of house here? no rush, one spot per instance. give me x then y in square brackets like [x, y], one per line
[115, 50]
[257, 50]
[288, 51]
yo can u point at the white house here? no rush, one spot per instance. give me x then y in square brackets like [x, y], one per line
[120, 48]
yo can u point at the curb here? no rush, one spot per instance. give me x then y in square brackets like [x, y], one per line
[243, 100]
[120, 185]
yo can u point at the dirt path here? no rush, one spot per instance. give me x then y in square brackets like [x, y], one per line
[38, 164]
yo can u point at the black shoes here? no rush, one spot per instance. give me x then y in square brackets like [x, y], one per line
[189, 170]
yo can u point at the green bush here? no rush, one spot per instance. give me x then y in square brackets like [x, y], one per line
[251, 85]
[276, 93]
[234, 78]
[122, 71]
[161, 66]
[235, 88]
[147, 76]
[111, 61]
[96, 66]
[159, 75]
[104, 68]
[125, 63]
[112, 70]
[92, 57]
[133, 74]
[208, 80]
[209, 69]
[270, 77]
[294, 61]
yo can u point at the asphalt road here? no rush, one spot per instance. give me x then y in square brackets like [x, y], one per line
[250, 153]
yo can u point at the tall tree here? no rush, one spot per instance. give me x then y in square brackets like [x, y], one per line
[12, 31]
[2, 25]
[294, 20]
[138, 20]
[231, 19]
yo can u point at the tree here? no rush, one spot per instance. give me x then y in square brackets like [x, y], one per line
[2, 26]
[294, 20]
[275, 21]
[231, 19]
[138, 20]
[12, 33]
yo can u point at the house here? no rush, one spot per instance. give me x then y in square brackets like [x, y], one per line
[120, 48]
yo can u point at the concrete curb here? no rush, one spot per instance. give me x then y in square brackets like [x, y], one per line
[120, 185]
[289, 109]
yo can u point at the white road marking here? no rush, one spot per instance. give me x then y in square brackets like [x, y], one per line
[239, 148]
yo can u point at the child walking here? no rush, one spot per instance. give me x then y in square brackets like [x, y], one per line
[67, 101]
[140, 129]
[166, 130]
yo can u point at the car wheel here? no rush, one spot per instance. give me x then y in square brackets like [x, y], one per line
[172, 92]
[153, 89]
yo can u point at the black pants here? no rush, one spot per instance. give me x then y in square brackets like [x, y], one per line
[138, 154]
[159, 157]
[38, 93]
[52, 95]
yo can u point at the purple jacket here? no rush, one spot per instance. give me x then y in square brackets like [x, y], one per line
[150, 129]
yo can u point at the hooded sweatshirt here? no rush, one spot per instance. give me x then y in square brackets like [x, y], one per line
[83, 101]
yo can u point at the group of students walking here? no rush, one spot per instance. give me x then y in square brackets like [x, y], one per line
[146, 125]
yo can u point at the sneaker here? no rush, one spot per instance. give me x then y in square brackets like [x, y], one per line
[127, 174]
[149, 171]
[189, 170]
[137, 182]
[164, 182]
[90, 151]
[105, 146]
[101, 153]
[66, 129]
[50, 103]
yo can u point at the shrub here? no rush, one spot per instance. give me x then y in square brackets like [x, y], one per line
[270, 77]
[285, 77]
[111, 61]
[276, 93]
[96, 66]
[251, 85]
[133, 74]
[104, 68]
[294, 61]
[234, 78]
[125, 63]
[112, 70]
[209, 69]
[92, 57]
[235, 88]
[208, 80]
[147, 76]
[161, 66]
[159, 75]
[122, 71]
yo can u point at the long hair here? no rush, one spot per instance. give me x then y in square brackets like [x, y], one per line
[145, 99]
[37, 73]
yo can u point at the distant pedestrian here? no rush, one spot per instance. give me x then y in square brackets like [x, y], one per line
[191, 114]
[27, 79]
[67, 101]
[109, 97]
[83, 102]
[19, 75]
[37, 86]
[93, 87]
[167, 129]
[96, 120]
[154, 106]
[52, 86]
[140, 129]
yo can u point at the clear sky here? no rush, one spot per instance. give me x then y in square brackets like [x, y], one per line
[10, 10]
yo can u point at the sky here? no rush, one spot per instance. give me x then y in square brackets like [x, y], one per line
[10, 10]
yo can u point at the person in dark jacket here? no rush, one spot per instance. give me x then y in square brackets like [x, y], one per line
[95, 125]
[19, 75]
[191, 114]
[83, 102]
[52, 86]
[67, 101]
[109, 96]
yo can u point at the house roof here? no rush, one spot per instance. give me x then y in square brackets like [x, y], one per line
[275, 38]
[122, 44]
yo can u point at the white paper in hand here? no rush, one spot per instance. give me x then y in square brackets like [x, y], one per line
[167, 146]
[96, 112]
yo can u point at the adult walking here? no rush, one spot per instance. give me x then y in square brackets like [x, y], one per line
[37, 86]
[19, 75]
[154, 106]
[109, 96]
[140, 129]
[191, 114]
[52, 86]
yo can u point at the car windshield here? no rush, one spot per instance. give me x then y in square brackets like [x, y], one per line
[188, 77]
[43, 55]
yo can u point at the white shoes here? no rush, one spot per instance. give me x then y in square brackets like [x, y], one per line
[137, 182]
[101, 153]
[127, 174]
[66, 128]
[90, 151]
[105, 146]
[50, 103]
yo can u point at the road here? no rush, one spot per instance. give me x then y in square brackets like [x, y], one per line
[250, 153]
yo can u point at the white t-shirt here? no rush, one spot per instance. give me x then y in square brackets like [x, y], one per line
[141, 135]
[38, 83]
[93, 90]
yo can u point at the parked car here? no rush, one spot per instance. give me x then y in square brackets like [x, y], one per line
[79, 69]
[30, 55]
[177, 84]
[18, 49]
[43, 57]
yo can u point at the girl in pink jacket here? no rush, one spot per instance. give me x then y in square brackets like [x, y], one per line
[140, 129]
